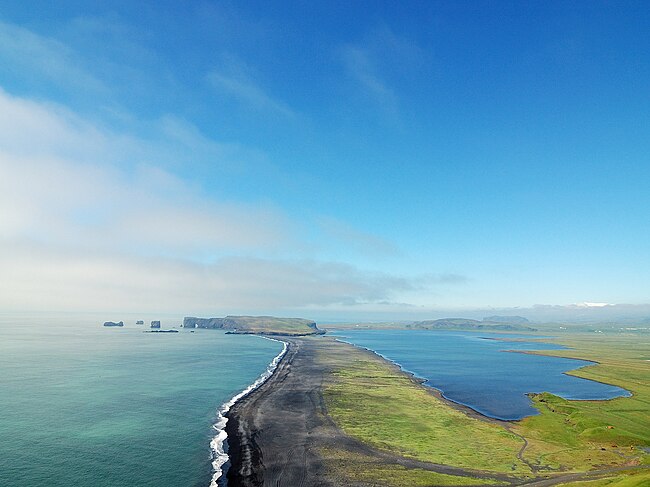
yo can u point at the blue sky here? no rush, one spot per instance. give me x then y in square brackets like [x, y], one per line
[322, 158]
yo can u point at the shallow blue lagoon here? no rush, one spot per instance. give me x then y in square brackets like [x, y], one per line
[481, 373]
[83, 405]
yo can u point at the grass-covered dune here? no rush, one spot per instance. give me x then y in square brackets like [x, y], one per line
[261, 325]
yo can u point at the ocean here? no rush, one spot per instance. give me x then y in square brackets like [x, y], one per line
[481, 373]
[84, 405]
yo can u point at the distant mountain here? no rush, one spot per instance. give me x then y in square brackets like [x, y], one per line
[516, 320]
[258, 325]
[467, 324]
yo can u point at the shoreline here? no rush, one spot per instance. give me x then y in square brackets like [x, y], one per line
[434, 391]
[592, 363]
[282, 434]
[469, 410]
[219, 455]
[246, 458]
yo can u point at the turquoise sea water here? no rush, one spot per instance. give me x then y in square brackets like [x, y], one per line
[83, 405]
[479, 372]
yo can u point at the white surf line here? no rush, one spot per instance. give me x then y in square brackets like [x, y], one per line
[219, 456]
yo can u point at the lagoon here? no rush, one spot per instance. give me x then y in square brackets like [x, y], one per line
[480, 371]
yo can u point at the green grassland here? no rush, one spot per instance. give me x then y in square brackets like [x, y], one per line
[621, 479]
[270, 325]
[260, 325]
[372, 400]
[354, 467]
[583, 435]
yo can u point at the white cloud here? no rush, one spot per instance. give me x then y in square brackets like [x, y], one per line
[58, 278]
[82, 230]
[43, 129]
[236, 79]
[361, 66]
[362, 241]
[40, 56]
[101, 206]
[379, 61]
[592, 305]
[61, 182]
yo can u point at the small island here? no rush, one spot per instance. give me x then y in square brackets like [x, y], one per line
[155, 324]
[113, 323]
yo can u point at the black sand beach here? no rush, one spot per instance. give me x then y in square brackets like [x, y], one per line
[276, 434]
[272, 433]
[281, 433]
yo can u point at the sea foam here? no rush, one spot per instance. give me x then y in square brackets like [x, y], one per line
[219, 456]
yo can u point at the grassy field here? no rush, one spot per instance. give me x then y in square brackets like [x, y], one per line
[270, 325]
[622, 479]
[370, 399]
[354, 467]
[583, 435]
[263, 325]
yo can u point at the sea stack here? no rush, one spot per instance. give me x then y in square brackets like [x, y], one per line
[139, 322]
[155, 324]
[113, 323]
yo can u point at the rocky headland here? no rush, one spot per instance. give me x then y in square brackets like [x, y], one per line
[256, 325]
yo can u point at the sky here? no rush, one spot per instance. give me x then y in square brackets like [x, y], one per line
[323, 159]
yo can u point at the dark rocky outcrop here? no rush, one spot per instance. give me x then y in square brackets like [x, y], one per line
[139, 322]
[113, 323]
[192, 322]
[155, 324]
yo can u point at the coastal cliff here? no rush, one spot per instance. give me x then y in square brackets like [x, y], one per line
[257, 325]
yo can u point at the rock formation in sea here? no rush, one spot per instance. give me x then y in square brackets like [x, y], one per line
[113, 323]
[155, 324]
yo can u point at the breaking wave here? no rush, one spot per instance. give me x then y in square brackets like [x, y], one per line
[219, 456]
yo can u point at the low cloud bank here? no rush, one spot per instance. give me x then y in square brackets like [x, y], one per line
[84, 228]
[44, 277]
